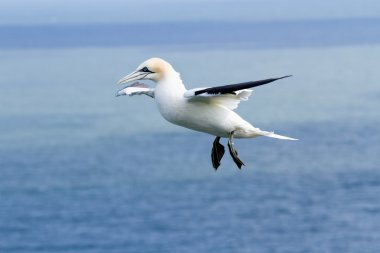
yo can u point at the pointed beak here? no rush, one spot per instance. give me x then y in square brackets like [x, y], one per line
[136, 75]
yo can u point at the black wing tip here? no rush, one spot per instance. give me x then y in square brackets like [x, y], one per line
[284, 77]
[230, 89]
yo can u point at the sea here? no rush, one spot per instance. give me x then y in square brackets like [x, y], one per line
[84, 171]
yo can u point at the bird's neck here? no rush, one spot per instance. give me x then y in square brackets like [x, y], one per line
[169, 96]
[172, 81]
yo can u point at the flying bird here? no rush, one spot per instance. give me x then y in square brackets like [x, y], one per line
[208, 109]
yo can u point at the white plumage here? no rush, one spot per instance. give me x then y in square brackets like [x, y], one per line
[209, 111]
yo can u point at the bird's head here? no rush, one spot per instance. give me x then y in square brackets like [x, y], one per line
[154, 69]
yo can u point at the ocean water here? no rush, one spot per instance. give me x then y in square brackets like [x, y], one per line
[83, 171]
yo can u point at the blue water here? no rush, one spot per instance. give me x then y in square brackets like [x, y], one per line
[158, 193]
[83, 171]
[248, 34]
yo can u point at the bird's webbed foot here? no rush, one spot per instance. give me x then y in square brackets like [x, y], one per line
[233, 151]
[217, 153]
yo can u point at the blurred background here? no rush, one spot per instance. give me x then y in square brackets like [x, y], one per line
[83, 171]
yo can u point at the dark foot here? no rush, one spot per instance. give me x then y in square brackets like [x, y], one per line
[217, 153]
[233, 152]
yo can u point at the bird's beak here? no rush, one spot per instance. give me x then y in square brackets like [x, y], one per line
[136, 75]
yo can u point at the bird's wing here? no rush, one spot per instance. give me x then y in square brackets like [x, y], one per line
[229, 100]
[227, 95]
[136, 89]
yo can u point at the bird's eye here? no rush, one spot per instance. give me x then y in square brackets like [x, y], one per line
[145, 69]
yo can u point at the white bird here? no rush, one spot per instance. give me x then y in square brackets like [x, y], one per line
[208, 110]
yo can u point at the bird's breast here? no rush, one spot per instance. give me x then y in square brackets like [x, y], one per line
[170, 104]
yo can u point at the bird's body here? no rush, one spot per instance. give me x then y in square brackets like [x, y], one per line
[208, 110]
[203, 116]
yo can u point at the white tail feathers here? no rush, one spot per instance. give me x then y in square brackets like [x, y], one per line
[277, 136]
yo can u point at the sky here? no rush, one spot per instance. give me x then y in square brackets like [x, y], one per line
[29, 12]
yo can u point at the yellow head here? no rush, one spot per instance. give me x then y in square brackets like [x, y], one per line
[155, 69]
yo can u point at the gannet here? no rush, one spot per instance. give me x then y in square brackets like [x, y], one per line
[208, 109]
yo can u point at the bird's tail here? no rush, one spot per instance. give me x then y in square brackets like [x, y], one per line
[277, 136]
